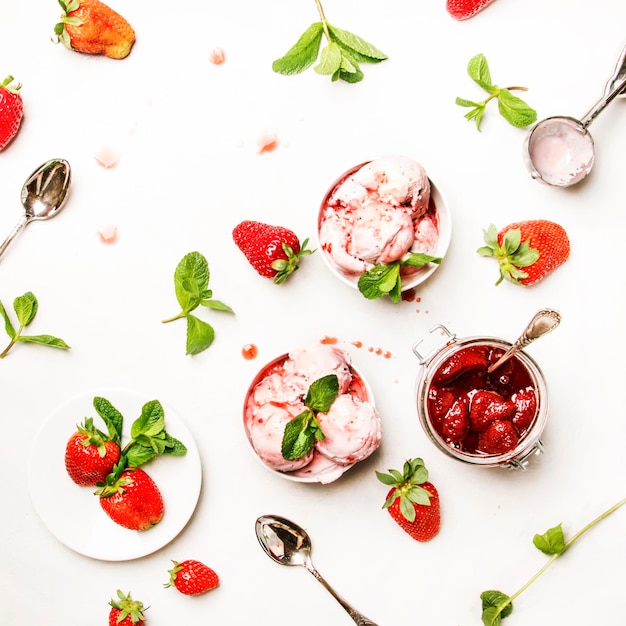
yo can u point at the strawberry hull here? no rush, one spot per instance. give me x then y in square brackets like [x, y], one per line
[490, 420]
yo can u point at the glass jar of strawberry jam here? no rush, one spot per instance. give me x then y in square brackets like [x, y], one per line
[488, 419]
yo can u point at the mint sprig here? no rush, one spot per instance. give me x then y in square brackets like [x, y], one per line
[191, 284]
[149, 438]
[497, 605]
[304, 430]
[384, 279]
[339, 59]
[25, 308]
[512, 108]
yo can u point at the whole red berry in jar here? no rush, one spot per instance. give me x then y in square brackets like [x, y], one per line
[489, 418]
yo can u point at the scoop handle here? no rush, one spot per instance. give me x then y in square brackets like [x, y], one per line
[17, 229]
[359, 619]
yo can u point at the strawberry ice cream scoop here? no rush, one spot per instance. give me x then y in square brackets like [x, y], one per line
[352, 430]
[373, 214]
[266, 429]
[307, 365]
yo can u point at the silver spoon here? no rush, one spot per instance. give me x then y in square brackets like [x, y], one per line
[559, 151]
[542, 323]
[288, 544]
[43, 195]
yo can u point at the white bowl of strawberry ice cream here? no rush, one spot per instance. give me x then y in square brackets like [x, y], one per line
[379, 212]
[351, 426]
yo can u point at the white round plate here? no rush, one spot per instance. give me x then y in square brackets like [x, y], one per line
[73, 514]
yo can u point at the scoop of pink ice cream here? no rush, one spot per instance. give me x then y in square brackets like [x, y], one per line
[352, 430]
[306, 365]
[321, 469]
[266, 428]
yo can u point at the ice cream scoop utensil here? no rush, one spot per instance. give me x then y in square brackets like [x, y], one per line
[288, 544]
[559, 150]
[542, 323]
[43, 195]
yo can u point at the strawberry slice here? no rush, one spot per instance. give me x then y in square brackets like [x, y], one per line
[464, 9]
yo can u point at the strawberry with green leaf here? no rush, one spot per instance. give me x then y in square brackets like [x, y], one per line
[339, 59]
[412, 501]
[11, 111]
[192, 577]
[125, 611]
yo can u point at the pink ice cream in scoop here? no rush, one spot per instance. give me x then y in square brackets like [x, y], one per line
[373, 215]
[307, 365]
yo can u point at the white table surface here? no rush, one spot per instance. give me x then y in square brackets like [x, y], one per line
[189, 172]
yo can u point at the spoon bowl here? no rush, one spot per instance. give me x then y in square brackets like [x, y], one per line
[43, 195]
[287, 543]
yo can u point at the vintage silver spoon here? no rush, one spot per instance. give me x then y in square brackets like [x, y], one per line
[542, 323]
[43, 195]
[288, 544]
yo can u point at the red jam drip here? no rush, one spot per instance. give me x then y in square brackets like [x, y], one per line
[249, 351]
[480, 413]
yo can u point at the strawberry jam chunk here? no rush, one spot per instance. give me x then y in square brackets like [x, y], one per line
[478, 412]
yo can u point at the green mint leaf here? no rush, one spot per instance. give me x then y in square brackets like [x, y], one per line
[496, 606]
[8, 326]
[200, 335]
[216, 305]
[137, 454]
[350, 76]
[467, 103]
[174, 447]
[551, 542]
[151, 422]
[419, 259]
[359, 49]
[302, 54]
[44, 340]
[191, 278]
[25, 308]
[380, 280]
[514, 110]
[322, 393]
[299, 436]
[330, 59]
[112, 418]
[478, 70]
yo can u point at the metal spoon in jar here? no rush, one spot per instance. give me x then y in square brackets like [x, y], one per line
[541, 324]
[43, 195]
[288, 544]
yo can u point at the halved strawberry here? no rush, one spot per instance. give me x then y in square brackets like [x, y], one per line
[464, 9]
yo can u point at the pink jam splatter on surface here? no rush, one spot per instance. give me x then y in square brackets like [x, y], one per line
[267, 142]
[217, 56]
[107, 157]
[107, 233]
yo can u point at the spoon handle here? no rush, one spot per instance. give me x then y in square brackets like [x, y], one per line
[18, 227]
[359, 619]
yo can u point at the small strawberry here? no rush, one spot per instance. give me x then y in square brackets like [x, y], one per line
[500, 437]
[92, 27]
[192, 577]
[131, 498]
[470, 359]
[526, 251]
[456, 422]
[525, 409]
[488, 406]
[11, 111]
[125, 611]
[90, 455]
[464, 9]
[412, 501]
[273, 251]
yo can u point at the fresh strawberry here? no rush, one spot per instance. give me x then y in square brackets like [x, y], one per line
[488, 406]
[192, 577]
[412, 501]
[131, 498]
[125, 611]
[273, 251]
[92, 27]
[471, 359]
[456, 422]
[525, 408]
[11, 111]
[90, 455]
[526, 251]
[500, 437]
[464, 9]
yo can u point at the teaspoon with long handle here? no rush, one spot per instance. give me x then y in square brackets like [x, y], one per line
[43, 195]
[288, 544]
[542, 323]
